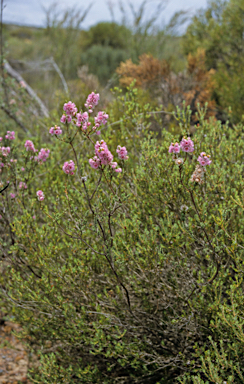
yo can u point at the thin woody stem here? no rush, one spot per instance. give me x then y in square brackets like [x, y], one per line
[205, 232]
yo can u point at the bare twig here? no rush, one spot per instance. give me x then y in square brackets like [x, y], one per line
[57, 69]
[28, 89]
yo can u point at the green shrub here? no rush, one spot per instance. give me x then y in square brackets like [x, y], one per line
[119, 276]
[219, 30]
[103, 60]
[222, 358]
[108, 34]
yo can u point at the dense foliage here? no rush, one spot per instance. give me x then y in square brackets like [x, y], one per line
[219, 30]
[121, 232]
[122, 277]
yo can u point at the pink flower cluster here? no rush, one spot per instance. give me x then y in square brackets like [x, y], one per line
[40, 195]
[103, 153]
[204, 159]
[122, 153]
[65, 118]
[43, 155]
[29, 146]
[5, 151]
[69, 167]
[12, 195]
[70, 108]
[10, 135]
[22, 185]
[101, 118]
[82, 119]
[92, 101]
[94, 162]
[186, 145]
[174, 148]
[104, 157]
[55, 130]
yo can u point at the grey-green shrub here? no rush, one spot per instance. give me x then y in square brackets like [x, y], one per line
[121, 284]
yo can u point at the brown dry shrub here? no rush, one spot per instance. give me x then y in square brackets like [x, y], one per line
[147, 73]
[201, 83]
[194, 85]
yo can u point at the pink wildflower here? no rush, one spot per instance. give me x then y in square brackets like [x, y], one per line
[187, 145]
[122, 153]
[174, 148]
[204, 159]
[40, 195]
[63, 119]
[22, 185]
[95, 162]
[101, 118]
[81, 118]
[43, 155]
[29, 146]
[118, 170]
[85, 126]
[22, 169]
[55, 130]
[114, 164]
[5, 151]
[69, 167]
[12, 195]
[10, 135]
[103, 153]
[98, 133]
[70, 108]
[1, 139]
[92, 101]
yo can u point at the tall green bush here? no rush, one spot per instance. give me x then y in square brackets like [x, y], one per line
[118, 276]
[219, 30]
[103, 60]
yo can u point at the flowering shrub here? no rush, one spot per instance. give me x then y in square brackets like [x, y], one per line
[123, 269]
[40, 195]
[187, 145]
[69, 167]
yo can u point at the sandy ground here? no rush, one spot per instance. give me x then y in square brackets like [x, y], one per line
[13, 358]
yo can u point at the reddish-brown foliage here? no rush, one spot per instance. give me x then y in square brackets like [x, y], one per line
[194, 85]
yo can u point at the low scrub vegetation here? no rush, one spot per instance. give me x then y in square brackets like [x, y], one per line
[121, 211]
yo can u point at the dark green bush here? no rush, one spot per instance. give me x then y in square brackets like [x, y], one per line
[108, 34]
[103, 60]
